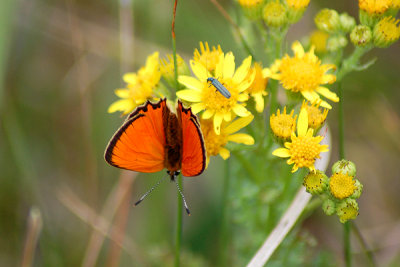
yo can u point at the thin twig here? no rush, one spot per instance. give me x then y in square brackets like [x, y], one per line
[34, 228]
[235, 26]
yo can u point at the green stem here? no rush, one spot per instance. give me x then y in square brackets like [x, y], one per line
[352, 62]
[346, 226]
[246, 165]
[178, 233]
[224, 229]
[364, 245]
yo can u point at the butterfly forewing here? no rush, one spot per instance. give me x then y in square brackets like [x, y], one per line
[193, 152]
[139, 144]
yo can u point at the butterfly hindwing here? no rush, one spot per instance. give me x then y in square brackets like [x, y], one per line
[193, 152]
[139, 144]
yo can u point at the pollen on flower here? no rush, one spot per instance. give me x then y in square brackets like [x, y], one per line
[282, 124]
[298, 4]
[316, 116]
[206, 56]
[304, 73]
[341, 185]
[304, 151]
[374, 6]
[386, 32]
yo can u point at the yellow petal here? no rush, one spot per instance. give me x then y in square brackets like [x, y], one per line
[281, 152]
[191, 82]
[228, 116]
[207, 114]
[246, 83]
[122, 93]
[189, 95]
[196, 108]
[242, 71]
[125, 105]
[241, 138]
[325, 104]
[241, 111]
[295, 168]
[259, 99]
[327, 93]
[243, 97]
[217, 122]
[298, 49]
[328, 78]
[199, 70]
[266, 73]
[229, 65]
[220, 66]
[311, 96]
[238, 124]
[302, 122]
[224, 153]
[130, 77]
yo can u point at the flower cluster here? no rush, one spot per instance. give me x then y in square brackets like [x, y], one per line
[338, 192]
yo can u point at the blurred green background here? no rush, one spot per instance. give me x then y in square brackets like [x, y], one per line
[60, 62]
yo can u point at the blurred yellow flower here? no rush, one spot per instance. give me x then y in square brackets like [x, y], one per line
[304, 148]
[206, 97]
[167, 68]
[215, 144]
[298, 4]
[304, 73]
[373, 7]
[207, 57]
[258, 88]
[139, 86]
[318, 39]
[386, 32]
[282, 124]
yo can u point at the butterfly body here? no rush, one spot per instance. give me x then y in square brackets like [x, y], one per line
[153, 138]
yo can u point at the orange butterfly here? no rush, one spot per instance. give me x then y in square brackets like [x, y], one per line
[153, 138]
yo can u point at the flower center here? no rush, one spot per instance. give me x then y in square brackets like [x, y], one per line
[341, 185]
[215, 101]
[283, 125]
[300, 74]
[304, 150]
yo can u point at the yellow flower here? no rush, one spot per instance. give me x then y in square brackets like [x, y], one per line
[396, 4]
[386, 32]
[341, 185]
[258, 87]
[252, 8]
[298, 4]
[374, 7]
[283, 125]
[206, 97]
[304, 148]
[208, 58]
[274, 14]
[315, 182]
[140, 86]
[215, 144]
[318, 39]
[316, 117]
[304, 73]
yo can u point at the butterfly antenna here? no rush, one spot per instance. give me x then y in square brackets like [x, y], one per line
[183, 197]
[148, 192]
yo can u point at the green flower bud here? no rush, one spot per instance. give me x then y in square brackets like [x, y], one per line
[358, 191]
[336, 42]
[345, 167]
[327, 20]
[347, 22]
[347, 210]
[274, 14]
[361, 35]
[329, 207]
[315, 182]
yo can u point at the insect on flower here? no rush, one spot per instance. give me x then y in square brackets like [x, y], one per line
[219, 87]
[153, 138]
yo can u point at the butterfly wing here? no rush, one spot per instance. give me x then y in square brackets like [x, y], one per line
[139, 144]
[193, 151]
